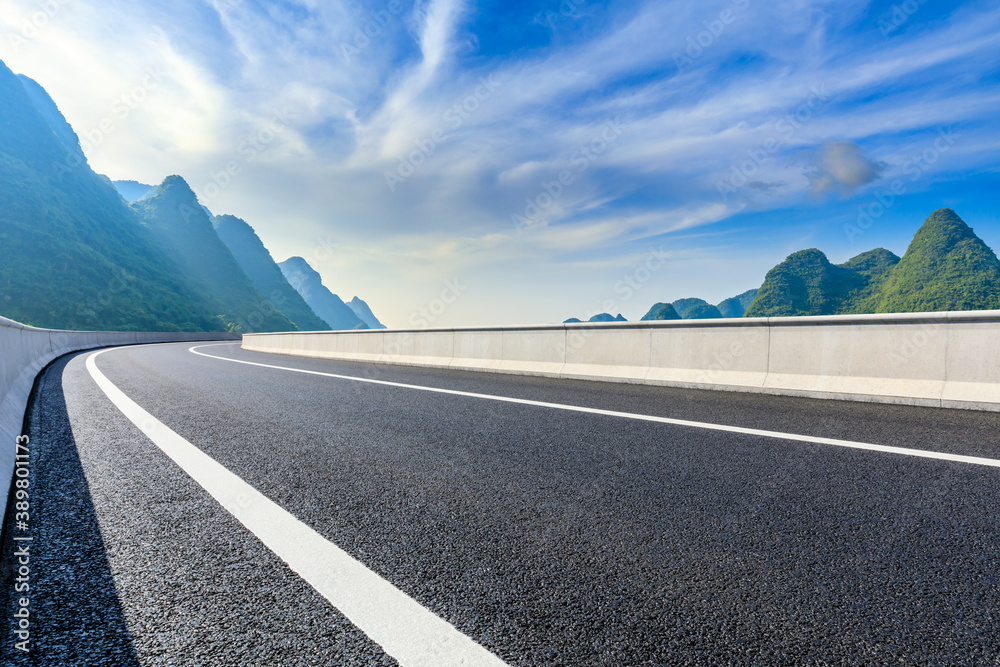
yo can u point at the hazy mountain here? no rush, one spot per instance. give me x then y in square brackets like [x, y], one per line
[946, 267]
[184, 230]
[364, 313]
[607, 317]
[573, 320]
[257, 263]
[735, 306]
[46, 106]
[133, 190]
[662, 311]
[323, 302]
[74, 255]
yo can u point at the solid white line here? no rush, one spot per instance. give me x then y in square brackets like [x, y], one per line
[975, 460]
[401, 626]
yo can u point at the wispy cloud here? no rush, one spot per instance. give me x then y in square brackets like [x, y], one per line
[377, 88]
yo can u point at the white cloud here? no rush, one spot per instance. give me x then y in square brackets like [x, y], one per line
[357, 115]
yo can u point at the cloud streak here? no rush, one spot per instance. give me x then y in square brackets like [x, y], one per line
[230, 65]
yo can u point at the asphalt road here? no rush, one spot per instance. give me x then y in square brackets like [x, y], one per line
[546, 536]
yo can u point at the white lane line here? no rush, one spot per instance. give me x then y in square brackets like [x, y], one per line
[975, 460]
[402, 627]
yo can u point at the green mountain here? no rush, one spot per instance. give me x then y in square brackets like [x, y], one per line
[174, 216]
[607, 317]
[702, 311]
[323, 302]
[74, 255]
[874, 266]
[661, 311]
[946, 267]
[266, 276]
[806, 283]
[684, 305]
[735, 306]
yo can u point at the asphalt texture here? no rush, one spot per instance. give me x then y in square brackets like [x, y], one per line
[549, 537]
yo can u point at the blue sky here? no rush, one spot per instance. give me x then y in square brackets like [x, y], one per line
[537, 154]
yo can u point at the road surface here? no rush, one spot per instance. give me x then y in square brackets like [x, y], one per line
[221, 507]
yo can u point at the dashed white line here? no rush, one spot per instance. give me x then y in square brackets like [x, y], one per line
[921, 453]
[404, 629]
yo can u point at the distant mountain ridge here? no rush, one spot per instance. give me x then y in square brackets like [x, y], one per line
[184, 230]
[364, 313]
[327, 305]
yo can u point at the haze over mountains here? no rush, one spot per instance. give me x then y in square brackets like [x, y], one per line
[264, 273]
[323, 302]
[81, 254]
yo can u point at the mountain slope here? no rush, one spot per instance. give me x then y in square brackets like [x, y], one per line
[46, 106]
[661, 311]
[364, 313]
[806, 283]
[702, 311]
[735, 306]
[875, 266]
[683, 305]
[74, 255]
[264, 273]
[183, 229]
[945, 267]
[323, 302]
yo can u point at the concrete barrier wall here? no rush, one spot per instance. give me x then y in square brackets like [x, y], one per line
[933, 359]
[25, 351]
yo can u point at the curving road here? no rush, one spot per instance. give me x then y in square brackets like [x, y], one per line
[221, 507]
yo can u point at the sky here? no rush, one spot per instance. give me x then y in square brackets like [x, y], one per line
[507, 162]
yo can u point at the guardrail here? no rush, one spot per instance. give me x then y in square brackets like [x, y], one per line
[25, 351]
[948, 359]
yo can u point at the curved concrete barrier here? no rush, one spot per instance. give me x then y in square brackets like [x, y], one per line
[934, 359]
[25, 351]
